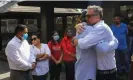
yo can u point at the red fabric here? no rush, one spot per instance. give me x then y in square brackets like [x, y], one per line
[68, 49]
[56, 49]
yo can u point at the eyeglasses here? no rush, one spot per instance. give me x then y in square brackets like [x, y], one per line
[88, 16]
[33, 39]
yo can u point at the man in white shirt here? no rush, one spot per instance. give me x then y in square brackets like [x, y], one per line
[96, 33]
[18, 55]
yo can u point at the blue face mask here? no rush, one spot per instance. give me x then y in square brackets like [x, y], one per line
[25, 36]
[56, 37]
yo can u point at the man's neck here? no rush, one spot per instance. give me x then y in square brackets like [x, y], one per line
[118, 25]
[19, 37]
[95, 23]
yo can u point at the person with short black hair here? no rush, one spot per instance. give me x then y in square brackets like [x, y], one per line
[120, 31]
[18, 55]
[42, 54]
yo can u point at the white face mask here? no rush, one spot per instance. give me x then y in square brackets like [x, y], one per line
[56, 37]
[129, 15]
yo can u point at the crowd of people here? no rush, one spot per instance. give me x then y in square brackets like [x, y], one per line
[96, 52]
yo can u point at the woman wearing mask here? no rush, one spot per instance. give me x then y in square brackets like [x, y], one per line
[56, 56]
[42, 54]
[69, 54]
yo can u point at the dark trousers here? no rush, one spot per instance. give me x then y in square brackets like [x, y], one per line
[131, 71]
[111, 76]
[70, 70]
[41, 77]
[122, 61]
[55, 71]
[20, 75]
[130, 47]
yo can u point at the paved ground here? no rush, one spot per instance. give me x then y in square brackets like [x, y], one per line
[5, 72]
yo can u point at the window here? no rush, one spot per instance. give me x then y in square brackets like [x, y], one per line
[31, 24]
[8, 25]
[7, 29]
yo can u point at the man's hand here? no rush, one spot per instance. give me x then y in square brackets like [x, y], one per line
[80, 28]
[75, 42]
[33, 65]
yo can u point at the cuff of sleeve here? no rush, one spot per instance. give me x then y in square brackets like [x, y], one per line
[34, 60]
[30, 65]
[81, 45]
[78, 42]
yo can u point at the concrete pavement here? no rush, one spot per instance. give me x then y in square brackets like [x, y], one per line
[5, 71]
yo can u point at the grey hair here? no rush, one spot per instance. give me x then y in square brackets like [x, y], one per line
[97, 9]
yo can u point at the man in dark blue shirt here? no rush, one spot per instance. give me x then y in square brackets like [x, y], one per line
[120, 31]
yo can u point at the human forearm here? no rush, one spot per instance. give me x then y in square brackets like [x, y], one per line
[61, 56]
[75, 41]
[40, 55]
[53, 58]
[25, 65]
[13, 55]
[44, 57]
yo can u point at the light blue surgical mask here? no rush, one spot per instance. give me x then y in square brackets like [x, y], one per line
[56, 37]
[25, 36]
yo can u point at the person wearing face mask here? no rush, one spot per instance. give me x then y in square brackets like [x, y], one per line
[56, 56]
[42, 54]
[19, 56]
[120, 31]
[69, 56]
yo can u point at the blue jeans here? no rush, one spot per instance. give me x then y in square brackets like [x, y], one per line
[122, 61]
